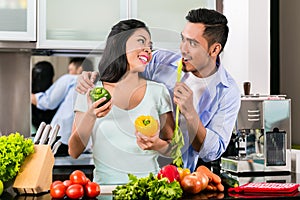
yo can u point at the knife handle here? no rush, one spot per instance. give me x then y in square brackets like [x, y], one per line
[53, 135]
[56, 146]
[39, 132]
[45, 134]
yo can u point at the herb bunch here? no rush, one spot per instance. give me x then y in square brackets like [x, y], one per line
[177, 140]
[148, 188]
[14, 148]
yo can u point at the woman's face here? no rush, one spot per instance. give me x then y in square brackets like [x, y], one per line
[138, 50]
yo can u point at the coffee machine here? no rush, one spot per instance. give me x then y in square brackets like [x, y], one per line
[262, 136]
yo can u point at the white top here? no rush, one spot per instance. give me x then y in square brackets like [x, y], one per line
[198, 86]
[115, 150]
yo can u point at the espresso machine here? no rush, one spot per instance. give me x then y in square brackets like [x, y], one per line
[261, 140]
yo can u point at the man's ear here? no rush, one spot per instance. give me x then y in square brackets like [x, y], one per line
[79, 70]
[215, 49]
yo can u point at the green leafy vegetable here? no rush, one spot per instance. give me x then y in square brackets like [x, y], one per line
[14, 148]
[149, 187]
[177, 140]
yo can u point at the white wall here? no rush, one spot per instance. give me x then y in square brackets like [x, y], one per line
[247, 52]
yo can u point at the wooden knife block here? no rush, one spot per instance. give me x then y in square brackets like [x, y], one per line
[35, 175]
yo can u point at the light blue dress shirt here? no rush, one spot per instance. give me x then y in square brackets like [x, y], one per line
[61, 94]
[217, 108]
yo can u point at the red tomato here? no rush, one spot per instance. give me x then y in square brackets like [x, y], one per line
[58, 190]
[75, 191]
[78, 177]
[170, 172]
[92, 189]
[67, 183]
[55, 183]
[191, 183]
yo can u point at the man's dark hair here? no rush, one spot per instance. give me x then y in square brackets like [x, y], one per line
[216, 28]
[85, 63]
[113, 64]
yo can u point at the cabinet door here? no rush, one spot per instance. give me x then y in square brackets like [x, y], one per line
[18, 20]
[79, 24]
[166, 18]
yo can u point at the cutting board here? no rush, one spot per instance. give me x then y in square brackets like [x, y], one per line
[35, 175]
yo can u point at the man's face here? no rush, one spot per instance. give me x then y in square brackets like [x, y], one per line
[194, 49]
[73, 69]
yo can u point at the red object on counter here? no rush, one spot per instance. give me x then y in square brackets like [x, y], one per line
[272, 188]
[170, 172]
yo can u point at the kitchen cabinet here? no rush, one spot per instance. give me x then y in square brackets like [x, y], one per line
[68, 24]
[80, 24]
[166, 19]
[18, 20]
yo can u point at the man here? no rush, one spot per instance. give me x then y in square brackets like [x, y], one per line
[207, 96]
[61, 95]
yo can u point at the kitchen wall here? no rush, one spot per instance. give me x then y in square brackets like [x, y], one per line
[289, 59]
[60, 64]
[247, 52]
[15, 92]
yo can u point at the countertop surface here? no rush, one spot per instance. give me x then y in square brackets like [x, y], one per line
[9, 194]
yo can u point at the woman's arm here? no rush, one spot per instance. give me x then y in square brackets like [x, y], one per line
[81, 131]
[83, 125]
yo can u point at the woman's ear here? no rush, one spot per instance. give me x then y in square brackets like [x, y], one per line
[215, 49]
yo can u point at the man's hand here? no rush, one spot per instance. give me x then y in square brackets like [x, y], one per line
[86, 81]
[183, 97]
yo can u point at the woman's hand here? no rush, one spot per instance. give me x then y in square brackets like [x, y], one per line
[153, 143]
[96, 111]
[147, 143]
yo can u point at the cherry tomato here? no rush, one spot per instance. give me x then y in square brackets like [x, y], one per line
[170, 172]
[78, 177]
[75, 191]
[55, 183]
[58, 190]
[92, 189]
[191, 183]
[67, 183]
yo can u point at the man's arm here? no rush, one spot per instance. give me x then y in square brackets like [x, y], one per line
[209, 138]
[53, 96]
[183, 97]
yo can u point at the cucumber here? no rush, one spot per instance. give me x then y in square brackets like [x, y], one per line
[228, 181]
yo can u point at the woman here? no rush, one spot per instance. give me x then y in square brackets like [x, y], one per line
[42, 79]
[117, 148]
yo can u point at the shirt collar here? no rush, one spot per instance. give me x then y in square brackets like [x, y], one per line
[221, 71]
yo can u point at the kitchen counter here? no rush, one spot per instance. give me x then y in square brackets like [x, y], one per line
[105, 194]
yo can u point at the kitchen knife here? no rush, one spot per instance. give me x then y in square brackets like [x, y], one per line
[45, 134]
[39, 133]
[53, 135]
[55, 147]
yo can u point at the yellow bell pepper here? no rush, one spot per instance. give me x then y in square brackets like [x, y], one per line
[147, 125]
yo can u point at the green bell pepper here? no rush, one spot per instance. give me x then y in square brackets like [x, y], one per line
[97, 93]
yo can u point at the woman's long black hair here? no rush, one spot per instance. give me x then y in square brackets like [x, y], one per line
[113, 64]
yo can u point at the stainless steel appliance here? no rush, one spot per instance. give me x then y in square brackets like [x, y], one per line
[262, 136]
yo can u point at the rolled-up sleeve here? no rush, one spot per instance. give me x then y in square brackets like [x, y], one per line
[220, 125]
